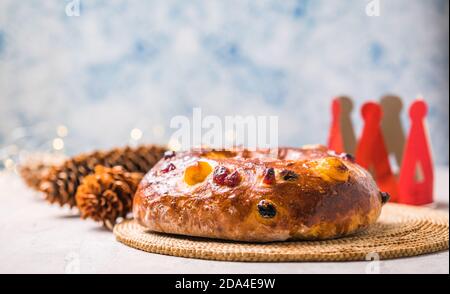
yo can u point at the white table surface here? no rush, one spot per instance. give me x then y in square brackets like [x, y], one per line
[40, 238]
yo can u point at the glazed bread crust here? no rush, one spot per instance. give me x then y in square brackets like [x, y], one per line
[300, 193]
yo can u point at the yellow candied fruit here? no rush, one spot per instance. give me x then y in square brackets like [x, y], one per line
[197, 173]
[332, 169]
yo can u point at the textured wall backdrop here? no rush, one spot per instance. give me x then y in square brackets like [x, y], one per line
[126, 64]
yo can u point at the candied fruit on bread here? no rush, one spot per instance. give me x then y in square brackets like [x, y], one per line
[307, 193]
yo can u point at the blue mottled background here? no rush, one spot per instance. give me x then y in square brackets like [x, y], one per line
[126, 64]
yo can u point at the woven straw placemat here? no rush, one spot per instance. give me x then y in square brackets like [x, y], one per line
[401, 231]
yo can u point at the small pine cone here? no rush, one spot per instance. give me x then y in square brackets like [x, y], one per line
[35, 167]
[107, 194]
[62, 181]
[32, 174]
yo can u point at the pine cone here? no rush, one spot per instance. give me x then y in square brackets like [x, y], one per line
[35, 167]
[61, 183]
[107, 194]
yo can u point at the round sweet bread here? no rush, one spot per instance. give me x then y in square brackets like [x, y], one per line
[307, 193]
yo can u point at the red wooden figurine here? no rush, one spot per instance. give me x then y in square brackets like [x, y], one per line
[371, 152]
[335, 139]
[416, 173]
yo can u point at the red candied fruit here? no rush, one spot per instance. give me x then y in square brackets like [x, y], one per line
[168, 168]
[233, 179]
[269, 176]
[222, 177]
[220, 174]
